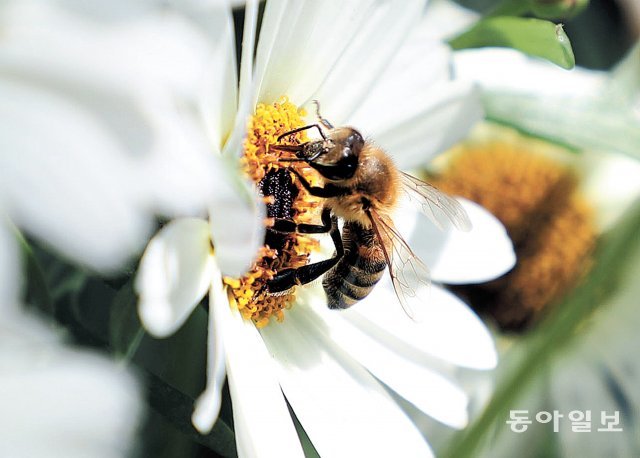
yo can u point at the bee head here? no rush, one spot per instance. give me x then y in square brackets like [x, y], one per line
[336, 157]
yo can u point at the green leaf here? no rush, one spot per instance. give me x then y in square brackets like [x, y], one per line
[169, 375]
[307, 446]
[125, 329]
[91, 307]
[54, 285]
[176, 407]
[535, 37]
[37, 290]
[533, 353]
[103, 314]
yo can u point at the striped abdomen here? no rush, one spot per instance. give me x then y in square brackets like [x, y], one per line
[358, 271]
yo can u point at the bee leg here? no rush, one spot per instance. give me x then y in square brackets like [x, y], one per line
[323, 121]
[290, 149]
[288, 278]
[300, 129]
[287, 226]
[329, 190]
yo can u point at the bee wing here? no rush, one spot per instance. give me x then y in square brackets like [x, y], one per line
[434, 203]
[408, 273]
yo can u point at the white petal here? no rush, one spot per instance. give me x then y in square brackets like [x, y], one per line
[567, 107]
[429, 391]
[110, 11]
[610, 184]
[237, 220]
[219, 98]
[178, 176]
[248, 46]
[295, 50]
[563, 120]
[447, 330]
[369, 52]
[138, 75]
[64, 178]
[609, 341]
[446, 114]
[404, 85]
[141, 51]
[262, 422]
[233, 146]
[304, 43]
[207, 405]
[343, 409]
[61, 402]
[507, 69]
[455, 257]
[603, 358]
[622, 373]
[236, 211]
[174, 274]
[594, 394]
[414, 75]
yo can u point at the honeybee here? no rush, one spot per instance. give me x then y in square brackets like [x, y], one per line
[363, 187]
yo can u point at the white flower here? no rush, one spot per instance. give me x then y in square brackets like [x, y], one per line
[57, 401]
[597, 372]
[96, 126]
[595, 112]
[330, 365]
[65, 178]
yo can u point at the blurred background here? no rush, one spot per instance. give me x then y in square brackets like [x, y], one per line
[562, 358]
[600, 35]
[578, 354]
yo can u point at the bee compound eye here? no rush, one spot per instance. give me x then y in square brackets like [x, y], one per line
[344, 169]
[355, 139]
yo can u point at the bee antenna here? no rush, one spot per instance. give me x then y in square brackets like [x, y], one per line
[323, 121]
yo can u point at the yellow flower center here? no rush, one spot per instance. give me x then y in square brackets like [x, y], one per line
[284, 198]
[549, 222]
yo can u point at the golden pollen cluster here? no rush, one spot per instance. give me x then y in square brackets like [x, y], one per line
[550, 224]
[261, 164]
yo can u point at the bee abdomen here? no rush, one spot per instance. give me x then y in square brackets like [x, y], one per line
[341, 293]
[354, 277]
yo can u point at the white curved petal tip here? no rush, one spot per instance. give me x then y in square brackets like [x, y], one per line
[174, 275]
[157, 317]
[482, 254]
[206, 410]
[465, 339]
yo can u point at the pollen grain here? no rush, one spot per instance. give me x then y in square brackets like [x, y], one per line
[249, 293]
